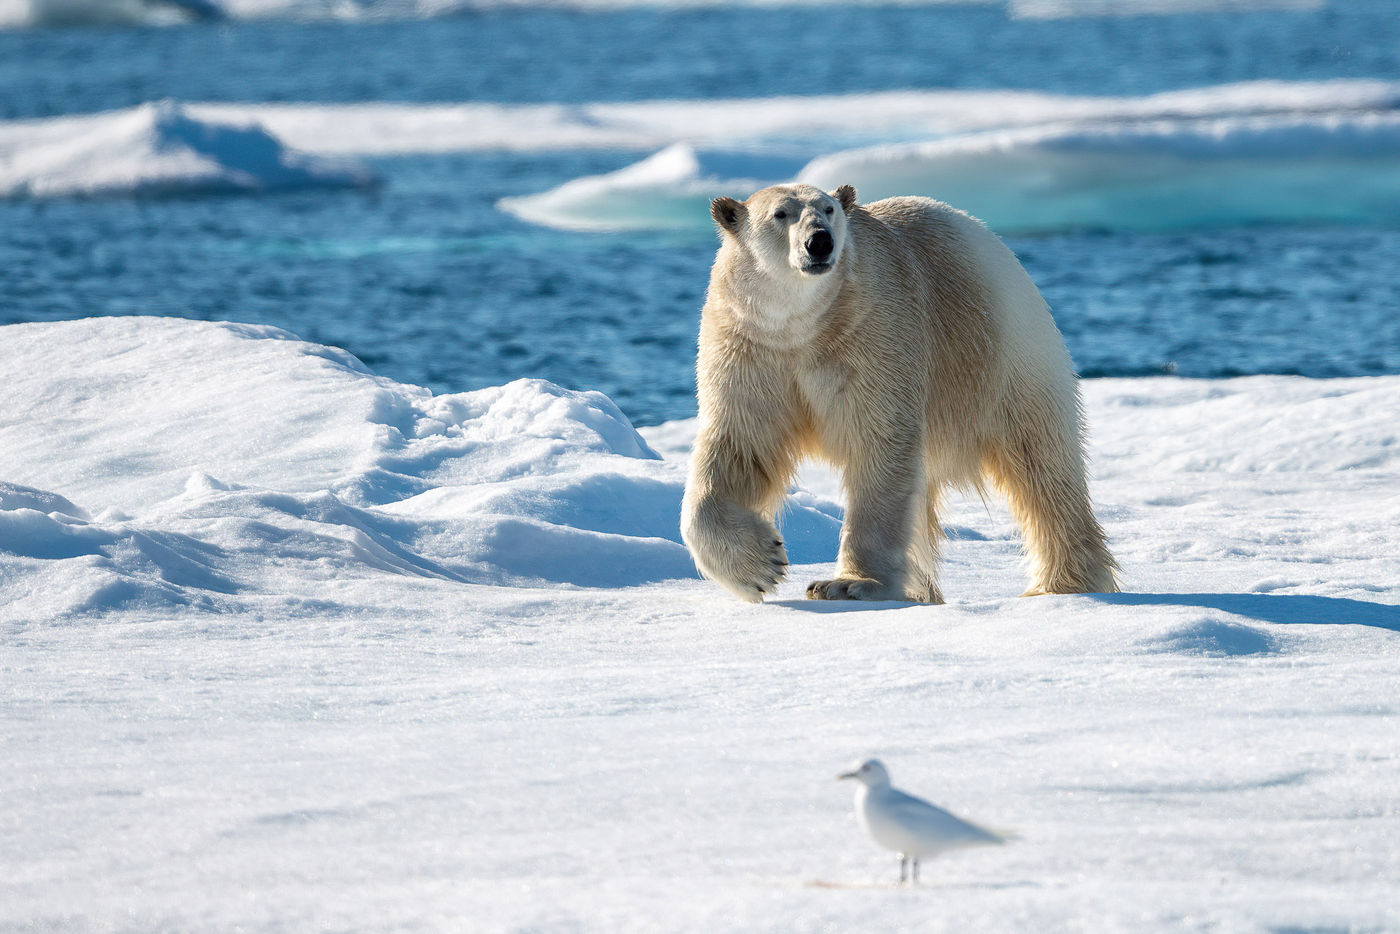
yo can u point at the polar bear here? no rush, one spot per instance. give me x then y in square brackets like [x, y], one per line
[902, 342]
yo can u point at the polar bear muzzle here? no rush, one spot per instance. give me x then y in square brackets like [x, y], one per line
[819, 247]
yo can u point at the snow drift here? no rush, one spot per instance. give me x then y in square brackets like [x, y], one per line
[157, 149]
[170, 462]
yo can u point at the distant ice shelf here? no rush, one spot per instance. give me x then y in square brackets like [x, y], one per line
[31, 13]
[1237, 154]
[1121, 170]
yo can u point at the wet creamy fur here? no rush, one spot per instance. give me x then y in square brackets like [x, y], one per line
[924, 358]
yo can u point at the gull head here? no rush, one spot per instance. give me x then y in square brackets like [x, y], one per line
[871, 773]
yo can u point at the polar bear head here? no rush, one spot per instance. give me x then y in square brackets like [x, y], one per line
[789, 230]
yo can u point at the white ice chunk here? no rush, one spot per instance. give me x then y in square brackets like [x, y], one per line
[158, 149]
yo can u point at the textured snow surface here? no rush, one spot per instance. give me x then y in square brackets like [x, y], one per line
[285, 645]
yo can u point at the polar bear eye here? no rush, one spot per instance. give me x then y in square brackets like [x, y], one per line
[781, 215]
[830, 210]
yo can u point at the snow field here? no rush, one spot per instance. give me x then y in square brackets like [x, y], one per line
[277, 655]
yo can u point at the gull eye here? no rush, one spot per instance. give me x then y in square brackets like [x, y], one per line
[781, 215]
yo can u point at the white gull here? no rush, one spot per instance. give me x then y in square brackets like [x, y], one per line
[910, 826]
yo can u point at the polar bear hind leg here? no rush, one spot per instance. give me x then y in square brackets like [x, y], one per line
[1043, 479]
[926, 549]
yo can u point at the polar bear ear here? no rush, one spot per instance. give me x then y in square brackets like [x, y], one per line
[847, 196]
[728, 213]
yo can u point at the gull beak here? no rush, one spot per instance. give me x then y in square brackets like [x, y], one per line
[845, 775]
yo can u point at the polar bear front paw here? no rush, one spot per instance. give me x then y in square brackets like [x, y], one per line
[738, 549]
[852, 588]
[761, 570]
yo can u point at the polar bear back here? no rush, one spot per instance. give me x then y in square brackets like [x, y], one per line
[992, 332]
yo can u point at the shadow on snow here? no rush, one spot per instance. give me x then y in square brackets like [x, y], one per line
[1265, 608]
[1271, 608]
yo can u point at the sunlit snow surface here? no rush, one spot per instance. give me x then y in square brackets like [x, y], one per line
[290, 646]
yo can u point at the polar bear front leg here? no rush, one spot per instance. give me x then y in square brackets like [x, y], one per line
[727, 514]
[873, 563]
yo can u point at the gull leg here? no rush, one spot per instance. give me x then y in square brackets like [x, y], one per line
[916, 870]
[903, 867]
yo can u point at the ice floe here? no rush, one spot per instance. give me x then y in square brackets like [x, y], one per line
[1233, 155]
[1258, 152]
[28, 13]
[157, 149]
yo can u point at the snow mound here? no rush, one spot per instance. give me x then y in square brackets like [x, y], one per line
[166, 462]
[1217, 638]
[158, 149]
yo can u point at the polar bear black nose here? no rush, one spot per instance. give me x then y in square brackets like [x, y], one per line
[820, 245]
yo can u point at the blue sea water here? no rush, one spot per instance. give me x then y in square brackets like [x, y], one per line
[428, 282]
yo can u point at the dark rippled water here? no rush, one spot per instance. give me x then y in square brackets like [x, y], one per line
[428, 283]
[640, 54]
